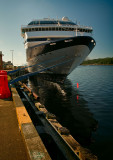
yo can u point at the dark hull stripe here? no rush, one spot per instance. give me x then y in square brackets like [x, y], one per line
[73, 41]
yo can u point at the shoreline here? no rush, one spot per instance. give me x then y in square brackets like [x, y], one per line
[97, 64]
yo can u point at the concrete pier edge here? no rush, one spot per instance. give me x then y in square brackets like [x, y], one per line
[33, 143]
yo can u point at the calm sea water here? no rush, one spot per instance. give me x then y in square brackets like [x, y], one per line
[86, 111]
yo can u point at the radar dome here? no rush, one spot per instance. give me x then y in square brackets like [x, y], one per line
[65, 18]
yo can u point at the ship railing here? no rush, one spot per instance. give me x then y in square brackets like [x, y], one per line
[54, 25]
[75, 28]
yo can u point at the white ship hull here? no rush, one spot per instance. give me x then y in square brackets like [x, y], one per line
[58, 59]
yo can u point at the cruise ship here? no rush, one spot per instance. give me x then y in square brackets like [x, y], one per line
[55, 47]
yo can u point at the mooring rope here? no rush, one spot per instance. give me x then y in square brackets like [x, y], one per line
[34, 73]
[52, 60]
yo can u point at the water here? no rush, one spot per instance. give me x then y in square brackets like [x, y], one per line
[86, 111]
[96, 86]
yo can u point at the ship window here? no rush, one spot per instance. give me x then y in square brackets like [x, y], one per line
[36, 22]
[46, 29]
[51, 22]
[66, 22]
[31, 23]
[79, 30]
[70, 29]
[48, 22]
[42, 22]
[53, 29]
[36, 39]
[41, 39]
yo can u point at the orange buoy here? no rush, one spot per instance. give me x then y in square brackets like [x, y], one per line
[77, 85]
[4, 89]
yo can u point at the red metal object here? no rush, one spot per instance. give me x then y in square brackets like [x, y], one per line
[4, 89]
[77, 85]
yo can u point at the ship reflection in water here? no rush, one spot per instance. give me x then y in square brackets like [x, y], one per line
[69, 107]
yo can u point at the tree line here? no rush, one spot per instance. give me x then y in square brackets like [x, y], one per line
[99, 61]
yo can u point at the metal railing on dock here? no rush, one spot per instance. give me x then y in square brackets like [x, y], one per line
[70, 148]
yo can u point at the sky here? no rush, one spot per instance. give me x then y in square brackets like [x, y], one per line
[15, 13]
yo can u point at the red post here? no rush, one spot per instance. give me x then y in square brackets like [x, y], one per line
[4, 89]
[77, 85]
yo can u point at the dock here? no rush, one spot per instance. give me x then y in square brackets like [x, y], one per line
[11, 143]
[18, 137]
[22, 125]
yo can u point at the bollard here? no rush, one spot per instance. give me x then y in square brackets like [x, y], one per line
[4, 89]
